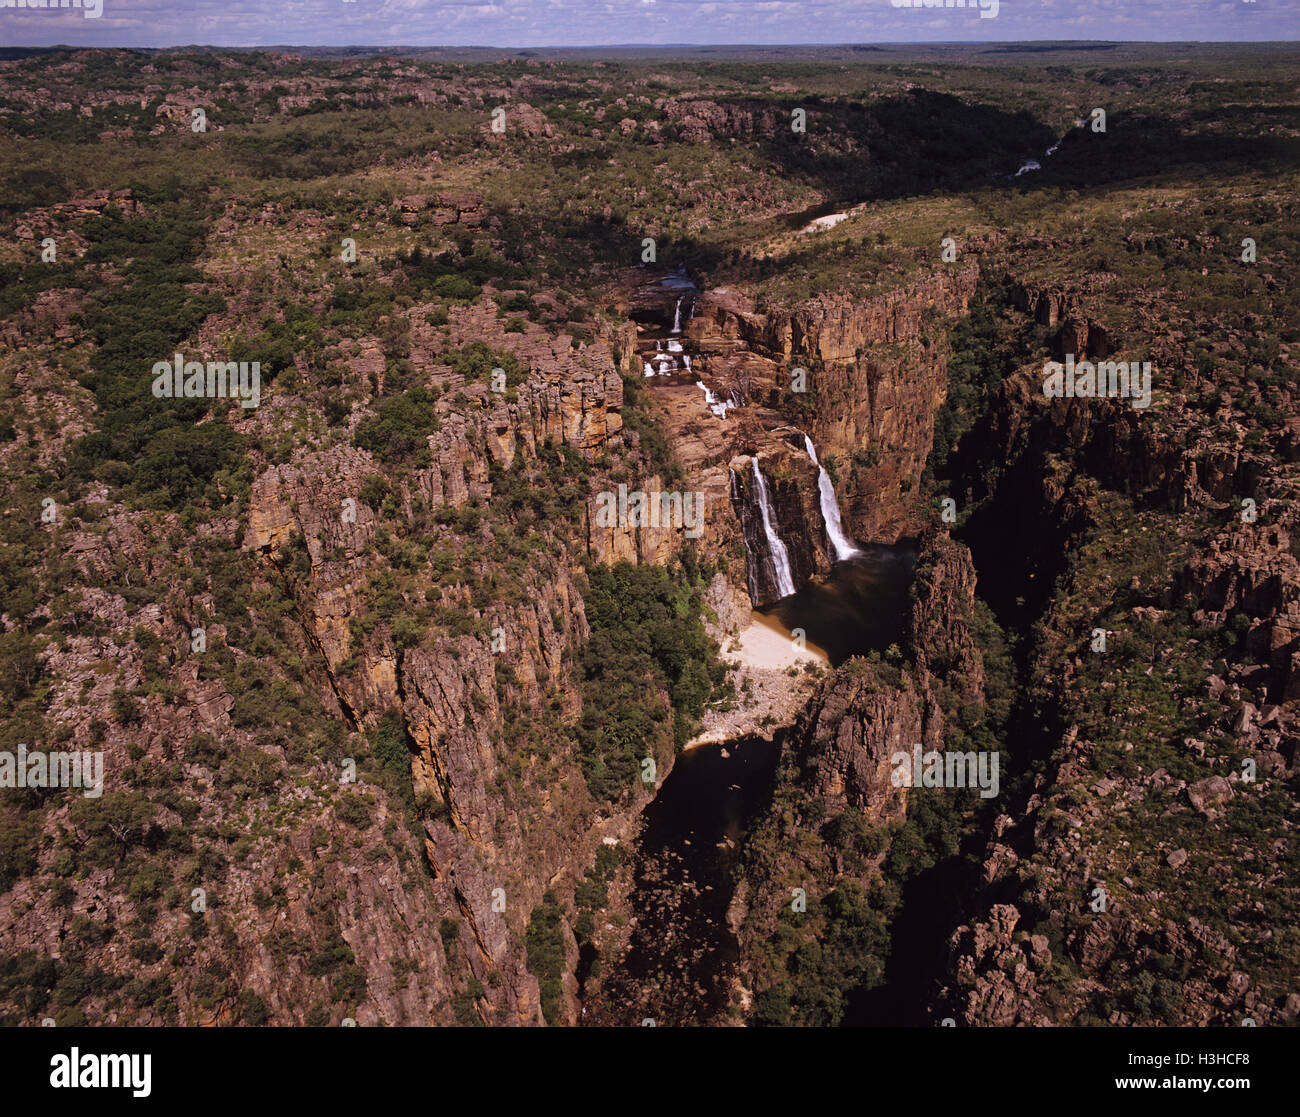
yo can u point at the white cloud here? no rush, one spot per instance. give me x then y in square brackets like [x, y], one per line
[595, 22]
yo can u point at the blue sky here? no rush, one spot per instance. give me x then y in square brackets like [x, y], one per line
[525, 23]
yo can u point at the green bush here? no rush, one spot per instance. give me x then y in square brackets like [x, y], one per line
[400, 427]
[647, 642]
[355, 810]
[544, 942]
[476, 361]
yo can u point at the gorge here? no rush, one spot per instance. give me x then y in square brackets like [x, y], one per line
[399, 672]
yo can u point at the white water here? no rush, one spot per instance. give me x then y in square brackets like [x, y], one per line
[819, 224]
[780, 556]
[840, 543]
[1030, 165]
[677, 316]
[719, 409]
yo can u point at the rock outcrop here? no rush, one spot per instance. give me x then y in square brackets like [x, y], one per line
[1071, 916]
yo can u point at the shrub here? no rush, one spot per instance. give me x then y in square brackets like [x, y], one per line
[544, 942]
[400, 426]
[355, 810]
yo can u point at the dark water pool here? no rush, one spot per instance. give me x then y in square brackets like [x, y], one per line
[861, 607]
[681, 948]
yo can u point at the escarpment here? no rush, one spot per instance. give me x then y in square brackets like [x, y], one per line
[1155, 579]
[1161, 585]
[502, 823]
[651, 581]
[875, 372]
[376, 739]
[857, 379]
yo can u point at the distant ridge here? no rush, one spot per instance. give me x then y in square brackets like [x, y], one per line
[1043, 48]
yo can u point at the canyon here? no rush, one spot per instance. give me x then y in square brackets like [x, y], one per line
[380, 669]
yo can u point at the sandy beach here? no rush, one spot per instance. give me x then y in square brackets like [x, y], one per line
[781, 674]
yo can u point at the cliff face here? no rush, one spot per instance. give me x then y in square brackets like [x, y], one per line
[836, 328]
[791, 483]
[1251, 570]
[838, 801]
[491, 855]
[876, 375]
[939, 638]
[1118, 444]
[381, 618]
[1137, 527]
[700, 120]
[839, 753]
[874, 378]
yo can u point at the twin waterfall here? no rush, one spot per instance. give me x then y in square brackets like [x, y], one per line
[840, 543]
[841, 546]
[666, 360]
[780, 556]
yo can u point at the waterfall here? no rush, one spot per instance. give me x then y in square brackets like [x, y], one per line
[711, 401]
[840, 543]
[677, 316]
[780, 556]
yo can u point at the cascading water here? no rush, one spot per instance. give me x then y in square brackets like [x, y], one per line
[681, 956]
[711, 401]
[780, 556]
[667, 357]
[840, 542]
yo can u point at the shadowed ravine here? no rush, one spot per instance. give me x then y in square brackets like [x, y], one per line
[681, 954]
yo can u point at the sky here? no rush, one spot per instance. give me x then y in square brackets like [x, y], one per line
[533, 23]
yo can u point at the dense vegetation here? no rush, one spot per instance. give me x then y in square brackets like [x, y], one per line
[645, 629]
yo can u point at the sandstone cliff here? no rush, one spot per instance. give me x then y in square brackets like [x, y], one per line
[876, 373]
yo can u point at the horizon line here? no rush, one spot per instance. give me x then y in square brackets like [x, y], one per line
[660, 46]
